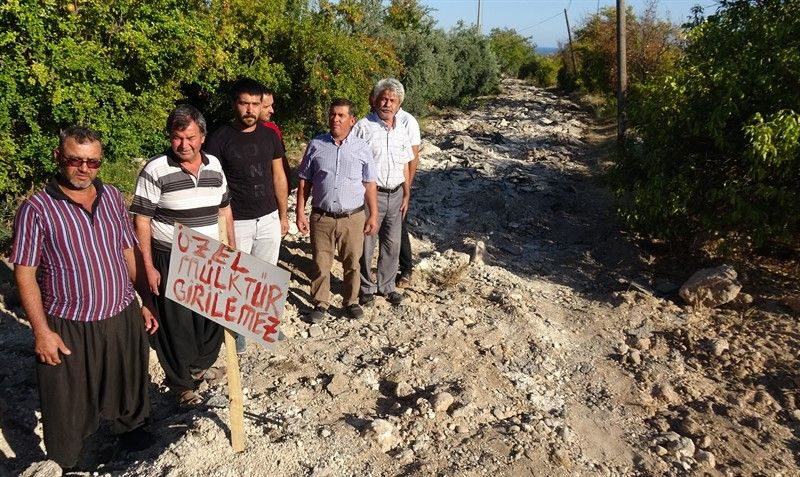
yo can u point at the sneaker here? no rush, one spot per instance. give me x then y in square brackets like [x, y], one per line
[394, 298]
[318, 314]
[354, 311]
[241, 344]
[367, 299]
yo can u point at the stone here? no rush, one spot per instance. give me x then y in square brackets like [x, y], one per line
[718, 346]
[315, 331]
[705, 458]
[635, 356]
[478, 254]
[793, 302]
[666, 392]
[47, 468]
[383, 433]
[403, 390]
[338, 385]
[711, 287]
[561, 458]
[442, 401]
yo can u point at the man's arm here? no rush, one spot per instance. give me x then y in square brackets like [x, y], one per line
[281, 188]
[136, 269]
[303, 192]
[227, 214]
[47, 343]
[142, 226]
[406, 189]
[412, 166]
[371, 198]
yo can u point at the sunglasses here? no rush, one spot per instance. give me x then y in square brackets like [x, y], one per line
[77, 162]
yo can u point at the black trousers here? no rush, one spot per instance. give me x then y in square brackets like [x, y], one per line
[406, 260]
[185, 341]
[104, 377]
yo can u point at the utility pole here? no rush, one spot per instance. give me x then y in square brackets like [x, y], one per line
[622, 73]
[571, 50]
[479, 16]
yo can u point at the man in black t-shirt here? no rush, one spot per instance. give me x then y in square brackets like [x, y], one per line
[252, 158]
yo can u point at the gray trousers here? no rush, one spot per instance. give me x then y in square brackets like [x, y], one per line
[390, 223]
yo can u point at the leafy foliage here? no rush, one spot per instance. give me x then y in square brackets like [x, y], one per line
[716, 145]
[652, 47]
[121, 66]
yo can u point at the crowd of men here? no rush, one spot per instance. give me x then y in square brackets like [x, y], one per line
[80, 259]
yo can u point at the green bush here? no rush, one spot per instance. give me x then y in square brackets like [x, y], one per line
[477, 71]
[715, 145]
[541, 70]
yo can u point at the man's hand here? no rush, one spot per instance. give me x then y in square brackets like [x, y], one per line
[302, 224]
[150, 322]
[404, 205]
[47, 345]
[153, 279]
[284, 226]
[371, 225]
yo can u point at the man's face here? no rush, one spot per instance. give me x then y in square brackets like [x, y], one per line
[386, 104]
[248, 109]
[186, 144]
[340, 121]
[266, 107]
[81, 176]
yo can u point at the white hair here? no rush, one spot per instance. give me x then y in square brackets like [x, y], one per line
[391, 84]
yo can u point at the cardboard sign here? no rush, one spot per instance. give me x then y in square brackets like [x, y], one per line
[227, 286]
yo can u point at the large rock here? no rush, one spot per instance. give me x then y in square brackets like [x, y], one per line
[47, 468]
[383, 433]
[711, 287]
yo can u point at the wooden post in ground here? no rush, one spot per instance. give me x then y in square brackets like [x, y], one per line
[236, 407]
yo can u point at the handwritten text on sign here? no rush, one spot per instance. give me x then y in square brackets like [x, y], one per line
[230, 287]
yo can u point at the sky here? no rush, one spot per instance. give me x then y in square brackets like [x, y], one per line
[543, 20]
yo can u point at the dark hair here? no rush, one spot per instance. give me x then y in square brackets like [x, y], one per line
[247, 86]
[182, 116]
[80, 134]
[343, 102]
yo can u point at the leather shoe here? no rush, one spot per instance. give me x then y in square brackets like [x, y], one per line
[354, 312]
[367, 299]
[318, 314]
[394, 298]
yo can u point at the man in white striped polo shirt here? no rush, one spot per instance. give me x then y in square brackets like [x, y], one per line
[339, 170]
[88, 331]
[392, 151]
[187, 186]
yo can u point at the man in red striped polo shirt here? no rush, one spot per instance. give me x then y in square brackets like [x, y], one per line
[90, 336]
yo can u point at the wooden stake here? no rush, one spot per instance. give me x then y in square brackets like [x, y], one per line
[234, 379]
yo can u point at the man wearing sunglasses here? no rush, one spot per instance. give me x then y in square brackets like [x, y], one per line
[89, 333]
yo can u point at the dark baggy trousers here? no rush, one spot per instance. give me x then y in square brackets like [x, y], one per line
[185, 341]
[104, 377]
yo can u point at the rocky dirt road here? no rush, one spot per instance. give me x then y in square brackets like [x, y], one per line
[536, 339]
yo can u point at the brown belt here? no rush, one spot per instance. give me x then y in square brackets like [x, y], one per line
[337, 215]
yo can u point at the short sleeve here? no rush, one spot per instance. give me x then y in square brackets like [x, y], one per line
[147, 194]
[26, 249]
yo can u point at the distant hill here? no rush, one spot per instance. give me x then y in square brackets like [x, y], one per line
[546, 50]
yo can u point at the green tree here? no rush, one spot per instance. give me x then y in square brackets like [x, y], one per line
[511, 49]
[716, 140]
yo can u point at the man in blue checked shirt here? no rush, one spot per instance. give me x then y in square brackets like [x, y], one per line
[339, 171]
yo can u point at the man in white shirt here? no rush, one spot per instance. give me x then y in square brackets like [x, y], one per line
[392, 151]
[409, 123]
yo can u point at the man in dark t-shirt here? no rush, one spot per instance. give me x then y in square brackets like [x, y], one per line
[252, 158]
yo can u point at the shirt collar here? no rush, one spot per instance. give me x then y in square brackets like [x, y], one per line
[54, 190]
[174, 161]
[373, 116]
